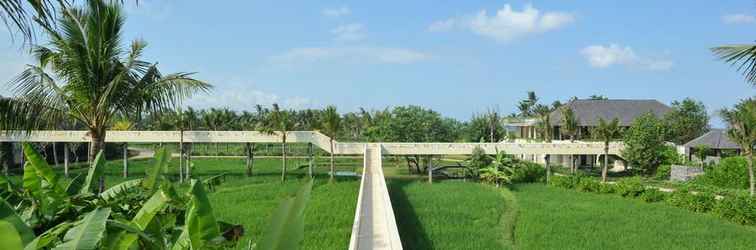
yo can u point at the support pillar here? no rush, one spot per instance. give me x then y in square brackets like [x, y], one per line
[548, 167]
[430, 169]
[65, 159]
[309, 153]
[125, 160]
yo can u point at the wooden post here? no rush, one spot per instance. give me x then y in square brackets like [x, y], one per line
[126, 160]
[430, 169]
[65, 159]
[309, 152]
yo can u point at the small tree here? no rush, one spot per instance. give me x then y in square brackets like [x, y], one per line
[644, 143]
[741, 123]
[279, 121]
[478, 160]
[606, 132]
[331, 126]
[544, 124]
[687, 120]
[701, 151]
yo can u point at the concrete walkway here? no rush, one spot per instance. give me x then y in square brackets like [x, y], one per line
[374, 222]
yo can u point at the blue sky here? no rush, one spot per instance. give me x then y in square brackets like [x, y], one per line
[456, 57]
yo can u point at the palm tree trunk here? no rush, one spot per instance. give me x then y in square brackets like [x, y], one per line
[606, 162]
[749, 158]
[332, 161]
[97, 145]
[55, 154]
[283, 155]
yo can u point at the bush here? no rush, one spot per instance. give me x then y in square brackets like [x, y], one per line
[653, 195]
[566, 181]
[630, 187]
[528, 172]
[731, 172]
[588, 185]
[739, 208]
[663, 172]
[606, 188]
[700, 202]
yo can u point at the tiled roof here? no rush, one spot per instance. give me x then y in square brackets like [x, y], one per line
[588, 112]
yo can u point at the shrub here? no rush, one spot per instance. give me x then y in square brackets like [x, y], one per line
[630, 187]
[663, 172]
[528, 172]
[566, 181]
[740, 208]
[700, 202]
[587, 184]
[731, 172]
[653, 195]
[606, 188]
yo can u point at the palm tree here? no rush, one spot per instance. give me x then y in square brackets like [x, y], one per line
[281, 122]
[544, 116]
[500, 171]
[742, 55]
[331, 125]
[606, 132]
[570, 126]
[89, 79]
[741, 129]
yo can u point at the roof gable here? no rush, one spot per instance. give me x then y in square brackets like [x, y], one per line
[714, 139]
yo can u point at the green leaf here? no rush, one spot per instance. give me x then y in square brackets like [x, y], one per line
[7, 214]
[96, 170]
[42, 169]
[9, 238]
[48, 237]
[87, 233]
[286, 228]
[119, 189]
[200, 221]
[32, 184]
[162, 158]
[126, 236]
[75, 185]
[141, 220]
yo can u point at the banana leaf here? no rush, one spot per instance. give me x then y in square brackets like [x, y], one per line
[119, 189]
[125, 231]
[125, 239]
[200, 221]
[48, 237]
[151, 181]
[96, 170]
[286, 229]
[87, 232]
[43, 170]
[75, 185]
[8, 215]
[9, 237]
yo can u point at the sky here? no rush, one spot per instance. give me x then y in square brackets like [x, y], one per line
[456, 57]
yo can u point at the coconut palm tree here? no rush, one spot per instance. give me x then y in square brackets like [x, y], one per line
[570, 126]
[84, 73]
[606, 132]
[741, 128]
[544, 116]
[279, 122]
[331, 124]
[741, 55]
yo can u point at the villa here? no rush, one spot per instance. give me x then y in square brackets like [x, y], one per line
[587, 113]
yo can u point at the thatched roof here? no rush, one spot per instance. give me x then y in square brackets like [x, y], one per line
[714, 139]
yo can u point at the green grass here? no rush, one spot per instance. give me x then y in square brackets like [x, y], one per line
[250, 201]
[552, 218]
[450, 215]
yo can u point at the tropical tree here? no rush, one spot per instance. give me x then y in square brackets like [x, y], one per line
[526, 106]
[741, 55]
[500, 171]
[331, 124]
[607, 132]
[82, 74]
[741, 128]
[281, 122]
[544, 121]
[570, 123]
[686, 121]
[644, 143]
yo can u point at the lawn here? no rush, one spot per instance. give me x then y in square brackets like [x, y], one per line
[451, 215]
[553, 218]
[251, 200]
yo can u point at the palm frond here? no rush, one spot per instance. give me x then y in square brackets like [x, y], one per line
[742, 56]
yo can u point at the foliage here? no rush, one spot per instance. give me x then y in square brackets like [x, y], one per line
[644, 144]
[700, 202]
[478, 160]
[528, 172]
[663, 172]
[588, 185]
[500, 171]
[652, 195]
[286, 229]
[686, 121]
[545, 129]
[126, 211]
[570, 123]
[731, 172]
[743, 56]
[740, 208]
[741, 129]
[565, 181]
[85, 74]
[526, 106]
[606, 132]
[485, 127]
[630, 187]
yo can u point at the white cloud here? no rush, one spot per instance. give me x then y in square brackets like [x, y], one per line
[337, 12]
[738, 19]
[229, 96]
[600, 56]
[349, 32]
[507, 24]
[350, 55]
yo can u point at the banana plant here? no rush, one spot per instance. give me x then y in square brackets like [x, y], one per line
[285, 231]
